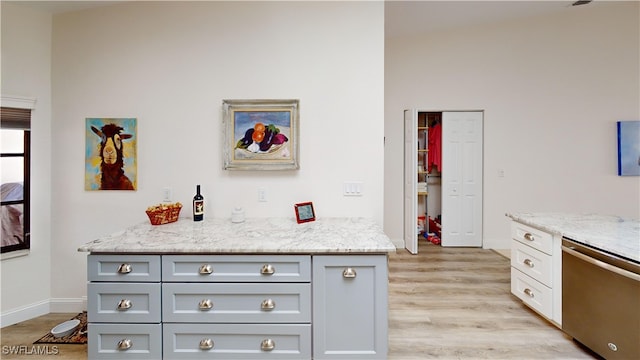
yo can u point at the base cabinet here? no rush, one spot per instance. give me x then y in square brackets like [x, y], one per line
[237, 306]
[350, 307]
[536, 270]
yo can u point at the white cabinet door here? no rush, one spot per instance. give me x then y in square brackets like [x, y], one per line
[462, 178]
[350, 307]
[410, 178]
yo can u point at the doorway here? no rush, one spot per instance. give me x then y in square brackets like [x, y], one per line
[451, 171]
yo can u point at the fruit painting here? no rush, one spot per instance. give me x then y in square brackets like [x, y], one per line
[261, 134]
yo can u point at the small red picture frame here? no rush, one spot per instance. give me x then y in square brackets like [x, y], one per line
[304, 212]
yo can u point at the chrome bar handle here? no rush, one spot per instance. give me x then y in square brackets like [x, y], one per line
[268, 305]
[349, 273]
[125, 344]
[205, 269]
[124, 268]
[529, 292]
[205, 304]
[124, 305]
[267, 269]
[267, 345]
[529, 263]
[529, 236]
[206, 344]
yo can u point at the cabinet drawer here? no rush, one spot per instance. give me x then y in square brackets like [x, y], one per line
[533, 237]
[123, 302]
[123, 268]
[237, 341]
[236, 303]
[532, 262]
[531, 292]
[236, 268]
[124, 341]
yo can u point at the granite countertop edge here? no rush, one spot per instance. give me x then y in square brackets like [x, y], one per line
[255, 236]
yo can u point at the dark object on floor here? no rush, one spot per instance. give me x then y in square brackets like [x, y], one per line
[79, 336]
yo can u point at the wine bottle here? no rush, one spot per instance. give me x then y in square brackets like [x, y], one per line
[198, 205]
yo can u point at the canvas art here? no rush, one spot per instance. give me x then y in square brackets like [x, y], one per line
[110, 154]
[629, 148]
[261, 134]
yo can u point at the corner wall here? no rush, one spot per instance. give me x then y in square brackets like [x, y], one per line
[552, 88]
[26, 72]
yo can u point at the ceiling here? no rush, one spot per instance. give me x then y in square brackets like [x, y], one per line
[402, 18]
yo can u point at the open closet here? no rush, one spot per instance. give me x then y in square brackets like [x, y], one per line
[443, 178]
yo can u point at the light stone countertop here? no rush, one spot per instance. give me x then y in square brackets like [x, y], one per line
[254, 236]
[616, 235]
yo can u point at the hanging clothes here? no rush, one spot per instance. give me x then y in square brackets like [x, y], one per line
[435, 147]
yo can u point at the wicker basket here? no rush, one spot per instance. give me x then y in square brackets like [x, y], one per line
[164, 215]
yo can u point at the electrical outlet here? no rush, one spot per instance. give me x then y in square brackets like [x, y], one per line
[166, 194]
[262, 195]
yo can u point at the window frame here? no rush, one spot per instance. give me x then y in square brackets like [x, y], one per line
[8, 105]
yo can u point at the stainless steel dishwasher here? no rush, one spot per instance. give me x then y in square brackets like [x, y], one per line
[601, 300]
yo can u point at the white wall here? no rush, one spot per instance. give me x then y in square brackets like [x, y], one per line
[26, 72]
[552, 88]
[170, 65]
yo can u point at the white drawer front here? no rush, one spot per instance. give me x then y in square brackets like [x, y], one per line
[240, 268]
[123, 302]
[533, 237]
[534, 294]
[236, 341]
[123, 268]
[532, 262]
[124, 341]
[237, 303]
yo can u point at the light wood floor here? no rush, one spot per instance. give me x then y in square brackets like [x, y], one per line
[446, 303]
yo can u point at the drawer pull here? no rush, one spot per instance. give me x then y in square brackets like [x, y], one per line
[267, 269]
[124, 304]
[268, 304]
[205, 304]
[124, 268]
[205, 269]
[529, 263]
[125, 344]
[267, 345]
[529, 236]
[206, 344]
[349, 273]
[529, 292]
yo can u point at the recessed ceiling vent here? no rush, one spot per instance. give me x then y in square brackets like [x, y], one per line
[581, 2]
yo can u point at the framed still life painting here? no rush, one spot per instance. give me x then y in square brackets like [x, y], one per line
[629, 148]
[110, 154]
[260, 134]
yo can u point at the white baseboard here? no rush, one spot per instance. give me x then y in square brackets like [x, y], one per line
[44, 307]
[68, 305]
[24, 313]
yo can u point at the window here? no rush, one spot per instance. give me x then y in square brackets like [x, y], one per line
[15, 148]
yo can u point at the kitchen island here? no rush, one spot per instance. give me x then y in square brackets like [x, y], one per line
[582, 273]
[264, 288]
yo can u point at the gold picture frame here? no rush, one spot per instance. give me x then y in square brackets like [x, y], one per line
[261, 134]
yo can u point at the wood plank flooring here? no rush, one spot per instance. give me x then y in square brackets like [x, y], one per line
[444, 303]
[456, 303]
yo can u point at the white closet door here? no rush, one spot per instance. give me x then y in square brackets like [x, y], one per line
[462, 179]
[410, 180]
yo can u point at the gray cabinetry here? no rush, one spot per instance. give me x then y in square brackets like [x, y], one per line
[123, 307]
[350, 307]
[237, 306]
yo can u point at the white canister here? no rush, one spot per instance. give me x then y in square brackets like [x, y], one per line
[237, 215]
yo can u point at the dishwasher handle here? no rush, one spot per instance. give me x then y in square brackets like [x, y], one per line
[601, 264]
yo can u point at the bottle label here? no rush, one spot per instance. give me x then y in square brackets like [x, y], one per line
[198, 207]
